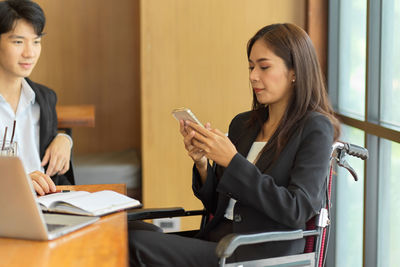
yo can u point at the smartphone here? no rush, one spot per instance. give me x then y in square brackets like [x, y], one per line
[185, 114]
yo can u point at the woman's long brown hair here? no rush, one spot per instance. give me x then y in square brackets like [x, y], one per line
[295, 47]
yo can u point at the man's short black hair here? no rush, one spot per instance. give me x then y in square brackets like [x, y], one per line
[13, 10]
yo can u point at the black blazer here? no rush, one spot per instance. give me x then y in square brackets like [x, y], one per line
[280, 193]
[47, 100]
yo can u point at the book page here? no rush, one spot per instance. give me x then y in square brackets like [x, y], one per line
[101, 202]
[47, 200]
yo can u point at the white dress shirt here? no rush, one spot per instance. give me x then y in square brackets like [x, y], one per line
[252, 156]
[27, 128]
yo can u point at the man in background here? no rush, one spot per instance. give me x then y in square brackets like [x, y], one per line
[27, 109]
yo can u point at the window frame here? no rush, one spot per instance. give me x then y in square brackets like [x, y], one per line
[370, 125]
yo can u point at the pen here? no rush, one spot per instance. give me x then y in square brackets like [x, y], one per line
[64, 191]
[60, 191]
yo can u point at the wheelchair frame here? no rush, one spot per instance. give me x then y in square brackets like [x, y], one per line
[315, 251]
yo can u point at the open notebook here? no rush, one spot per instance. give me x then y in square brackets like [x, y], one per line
[21, 216]
[85, 203]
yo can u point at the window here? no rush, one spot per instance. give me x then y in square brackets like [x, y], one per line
[389, 204]
[390, 70]
[352, 58]
[364, 87]
[349, 203]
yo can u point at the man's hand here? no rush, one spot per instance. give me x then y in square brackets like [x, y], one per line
[57, 155]
[42, 183]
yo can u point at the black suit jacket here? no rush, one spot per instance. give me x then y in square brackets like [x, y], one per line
[278, 193]
[47, 100]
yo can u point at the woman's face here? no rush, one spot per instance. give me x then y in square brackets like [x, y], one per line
[270, 79]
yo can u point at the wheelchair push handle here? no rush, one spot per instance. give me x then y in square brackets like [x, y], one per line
[341, 149]
[356, 151]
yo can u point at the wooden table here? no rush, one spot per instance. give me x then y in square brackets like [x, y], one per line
[70, 116]
[119, 188]
[104, 243]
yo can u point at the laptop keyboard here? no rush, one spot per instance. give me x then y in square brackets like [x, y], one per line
[53, 226]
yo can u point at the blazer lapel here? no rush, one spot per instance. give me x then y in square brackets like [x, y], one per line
[246, 140]
[265, 160]
[43, 121]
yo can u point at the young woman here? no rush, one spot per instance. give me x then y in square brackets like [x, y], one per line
[270, 171]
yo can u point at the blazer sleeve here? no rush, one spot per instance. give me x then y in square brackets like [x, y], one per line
[207, 192]
[294, 204]
[53, 115]
[68, 177]
[47, 100]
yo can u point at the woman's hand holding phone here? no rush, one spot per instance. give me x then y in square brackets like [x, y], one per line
[196, 154]
[214, 144]
[202, 142]
[183, 115]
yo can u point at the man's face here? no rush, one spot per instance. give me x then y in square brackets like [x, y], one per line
[19, 50]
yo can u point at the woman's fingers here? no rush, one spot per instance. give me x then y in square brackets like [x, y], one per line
[188, 132]
[187, 140]
[182, 128]
[196, 154]
[218, 132]
[202, 130]
[200, 146]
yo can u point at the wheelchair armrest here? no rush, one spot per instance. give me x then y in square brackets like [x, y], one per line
[154, 213]
[227, 245]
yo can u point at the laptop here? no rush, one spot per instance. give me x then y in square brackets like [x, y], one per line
[20, 214]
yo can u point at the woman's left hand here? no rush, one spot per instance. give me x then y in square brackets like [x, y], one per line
[215, 144]
[57, 155]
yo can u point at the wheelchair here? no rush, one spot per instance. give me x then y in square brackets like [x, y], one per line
[316, 233]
